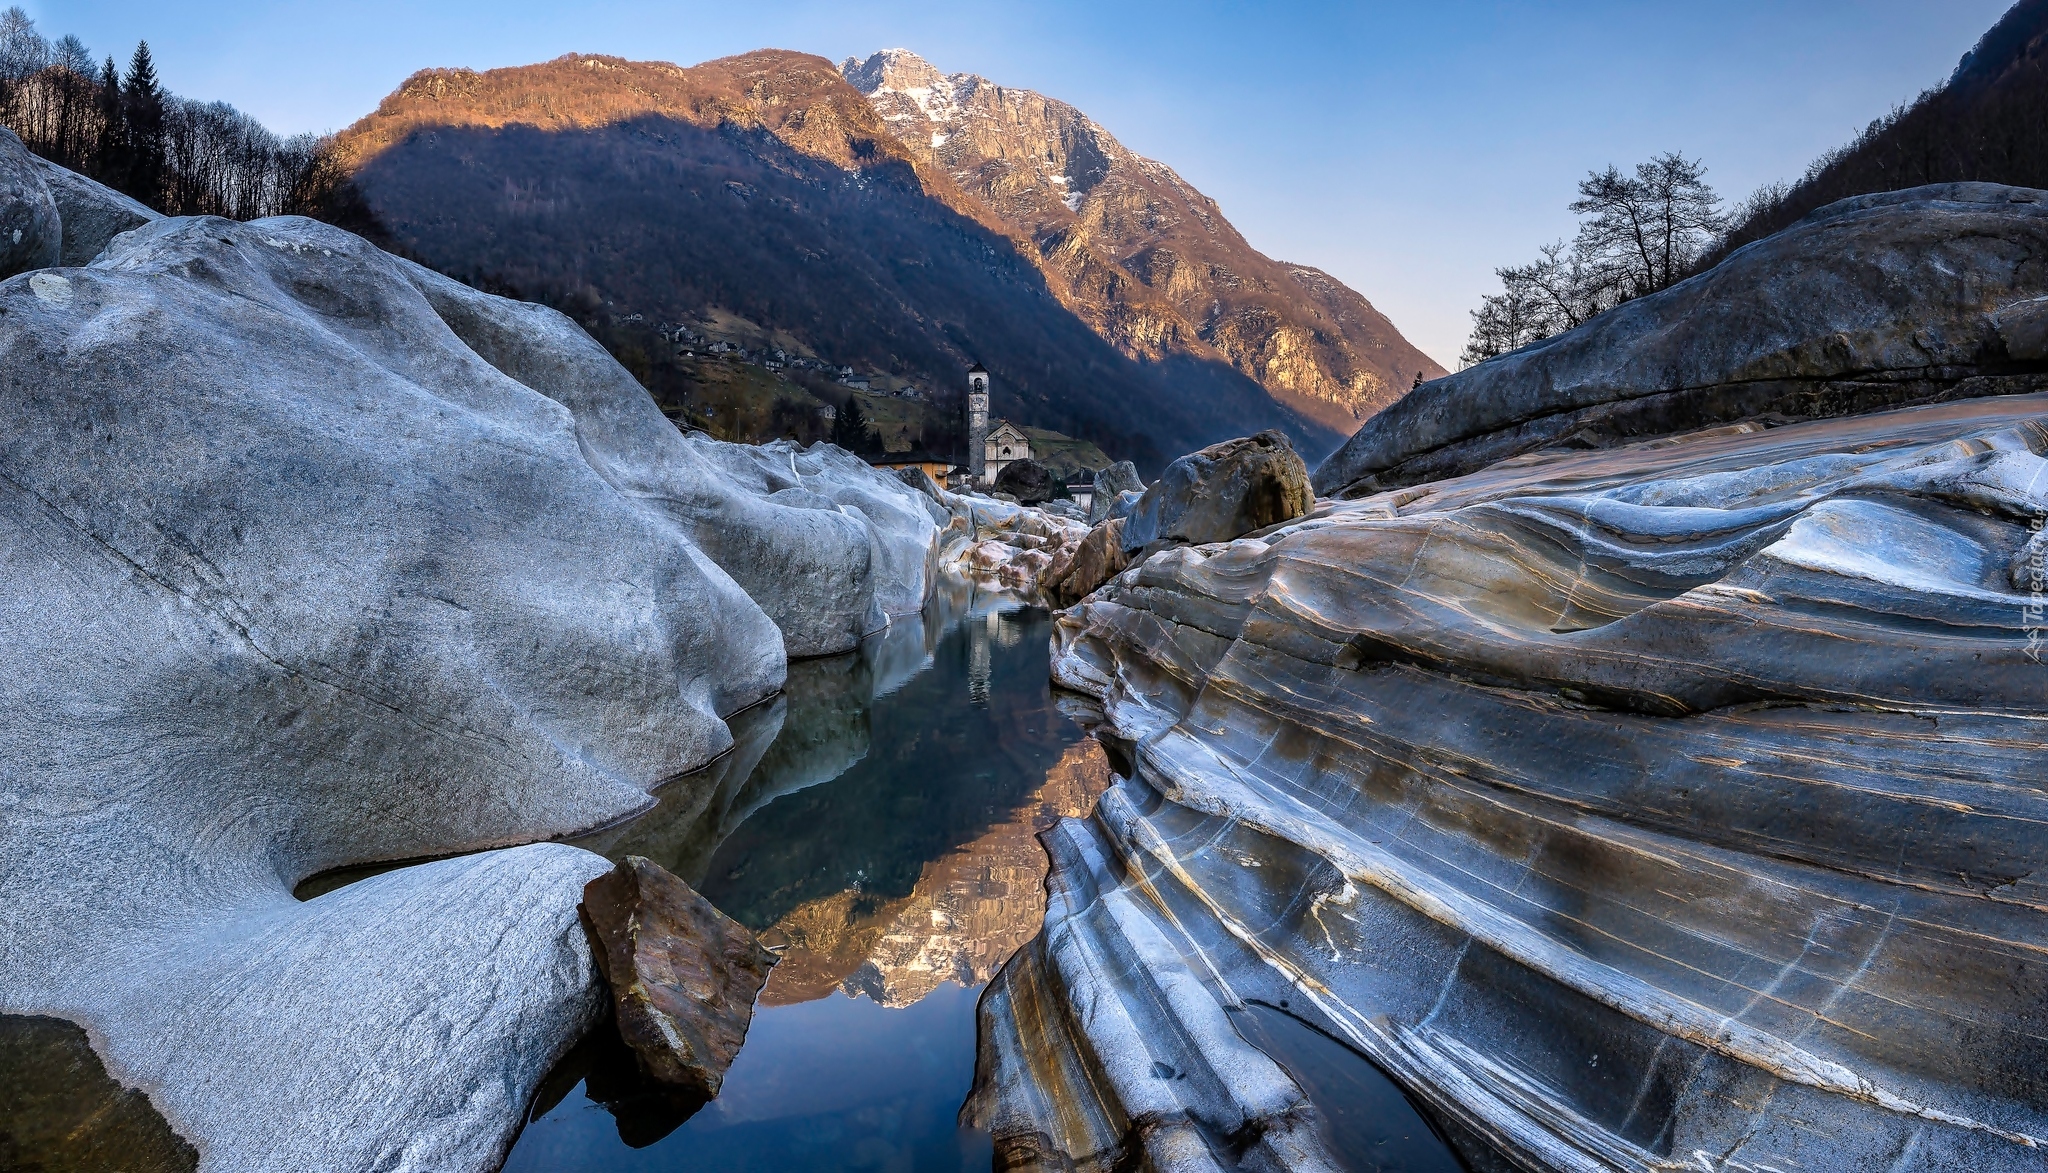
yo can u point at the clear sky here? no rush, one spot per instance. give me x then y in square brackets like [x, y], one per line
[1407, 147]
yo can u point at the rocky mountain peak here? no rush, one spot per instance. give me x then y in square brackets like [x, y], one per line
[1135, 250]
[897, 80]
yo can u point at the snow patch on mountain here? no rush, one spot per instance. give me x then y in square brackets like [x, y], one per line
[902, 72]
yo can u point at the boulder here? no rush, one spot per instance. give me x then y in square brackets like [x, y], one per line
[1124, 505]
[1221, 493]
[1111, 482]
[1668, 800]
[683, 975]
[31, 231]
[318, 559]
[828, 546]
[1097, 558]
[93, 213]
[1027, 482]
[888, 570]
[1856, 308]
[921, 481]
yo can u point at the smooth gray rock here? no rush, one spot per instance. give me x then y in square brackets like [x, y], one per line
[93, 213]
[827, 545]
[901, 533]
[299, 579]
[1126, 502]
[1222, 492]
[1869, 303]
[1110, 483]
[31, 232]
[1062, 507]
[920, 480]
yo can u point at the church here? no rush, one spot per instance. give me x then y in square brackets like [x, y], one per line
[991, 444]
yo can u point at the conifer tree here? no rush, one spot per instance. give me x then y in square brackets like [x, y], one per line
[142, 103]
[850, 428]
[110, 153]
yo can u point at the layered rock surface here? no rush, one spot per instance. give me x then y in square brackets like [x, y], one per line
[319, 559]
[1673, 805]
[1910, 296]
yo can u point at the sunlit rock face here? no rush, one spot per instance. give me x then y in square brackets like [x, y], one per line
[316, 558]
[1933, 293]
[1673, 805]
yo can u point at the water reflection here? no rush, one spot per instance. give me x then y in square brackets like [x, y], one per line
[877, 822]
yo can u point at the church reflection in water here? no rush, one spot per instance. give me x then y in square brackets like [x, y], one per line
[876, 824]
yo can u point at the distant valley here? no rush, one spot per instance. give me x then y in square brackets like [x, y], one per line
[878, 222]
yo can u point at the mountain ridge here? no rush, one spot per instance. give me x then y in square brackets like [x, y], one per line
[1139, 249]
[767, 187]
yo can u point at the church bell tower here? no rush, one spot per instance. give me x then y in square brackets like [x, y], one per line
[977, 423]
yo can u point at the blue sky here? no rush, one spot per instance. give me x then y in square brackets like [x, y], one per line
[1408, 148]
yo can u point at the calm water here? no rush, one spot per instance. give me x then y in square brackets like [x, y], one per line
[878, 825]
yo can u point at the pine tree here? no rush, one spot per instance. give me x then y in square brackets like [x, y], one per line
[850, 428]
[142, 102]
[110, 153]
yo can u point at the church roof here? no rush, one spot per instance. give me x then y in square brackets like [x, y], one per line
[977, 369]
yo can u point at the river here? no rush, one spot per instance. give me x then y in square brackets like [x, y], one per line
[877, 824]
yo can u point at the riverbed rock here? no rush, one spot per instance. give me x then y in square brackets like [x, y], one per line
[1222, 492]
[92, 213]
[827, 545]
[1027, 481]
[1875, 301]
[683, 975]
[316, 559]
[1668, 805]
[921, 481]
[1094, 560]
[31, 231]
[1110, 482]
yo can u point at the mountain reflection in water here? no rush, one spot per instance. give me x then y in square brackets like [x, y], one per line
[877, 822]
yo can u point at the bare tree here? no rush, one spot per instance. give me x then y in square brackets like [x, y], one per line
[1651, 226]
[23, 51]
[70, 53]
[1643, 232]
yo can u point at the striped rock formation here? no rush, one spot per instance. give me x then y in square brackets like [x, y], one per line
[1671, 805]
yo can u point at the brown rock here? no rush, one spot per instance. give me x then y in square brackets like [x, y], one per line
[683, 975]
[1098, 558]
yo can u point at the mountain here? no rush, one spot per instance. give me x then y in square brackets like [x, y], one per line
[1984, 123]
[764, 202]
[1134, 250]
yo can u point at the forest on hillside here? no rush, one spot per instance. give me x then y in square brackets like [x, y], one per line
[181, 156]
[1988, 122]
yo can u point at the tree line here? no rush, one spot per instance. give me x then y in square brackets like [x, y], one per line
[180, 156]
